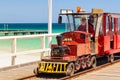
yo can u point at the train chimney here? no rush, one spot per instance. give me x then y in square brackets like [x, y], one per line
[59, 40]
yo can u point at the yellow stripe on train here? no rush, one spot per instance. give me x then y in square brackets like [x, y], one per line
[52, 67]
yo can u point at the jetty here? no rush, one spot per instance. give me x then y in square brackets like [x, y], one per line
[23, 32]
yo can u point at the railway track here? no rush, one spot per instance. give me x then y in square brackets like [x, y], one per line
[27, 77]
[42, 77]
[62, 77]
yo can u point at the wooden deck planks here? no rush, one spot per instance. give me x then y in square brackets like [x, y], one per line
[109, 73]
[16, 73]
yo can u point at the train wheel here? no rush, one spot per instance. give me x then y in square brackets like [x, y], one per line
[94, 62]
[111, 58]
[36, 72]
[70, 69]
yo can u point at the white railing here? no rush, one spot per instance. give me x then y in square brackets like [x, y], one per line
[14, 52]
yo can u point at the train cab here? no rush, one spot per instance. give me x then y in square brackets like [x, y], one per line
[85, 35]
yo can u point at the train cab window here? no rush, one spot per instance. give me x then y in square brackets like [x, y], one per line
[77, 22]
[80, 21]
[107, 25]
[112, 24]
[70, 23]
[118, 25]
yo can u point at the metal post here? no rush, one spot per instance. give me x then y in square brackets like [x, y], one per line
[49, 21]
[13, 51]
[42, 46]
[49, 16]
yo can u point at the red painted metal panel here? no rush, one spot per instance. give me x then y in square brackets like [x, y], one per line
[100, 45]
[87, 42]
[104, 24]
[112, 51]
[114, 42]
[118, 41]
[65, 58]
[115, 25]
[81, 49]
[69, 58]
[106, 43]
[73, 50]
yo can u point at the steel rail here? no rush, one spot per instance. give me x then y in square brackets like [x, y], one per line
[34, 77]
[26, 77]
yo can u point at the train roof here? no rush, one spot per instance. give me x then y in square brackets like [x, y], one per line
[75, 13]
[84, 13]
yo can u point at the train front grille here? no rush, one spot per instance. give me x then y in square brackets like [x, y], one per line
[52, 67]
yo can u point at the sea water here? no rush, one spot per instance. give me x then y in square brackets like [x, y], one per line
[28, 44]
[32, 26]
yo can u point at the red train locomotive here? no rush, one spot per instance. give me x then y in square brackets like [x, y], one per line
[78, 49]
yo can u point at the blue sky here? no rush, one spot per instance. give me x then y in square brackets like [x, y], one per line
[36, 11]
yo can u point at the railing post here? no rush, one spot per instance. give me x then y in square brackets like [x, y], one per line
[49, 44]
[42, 46]
[13, 51]
[49, 22]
